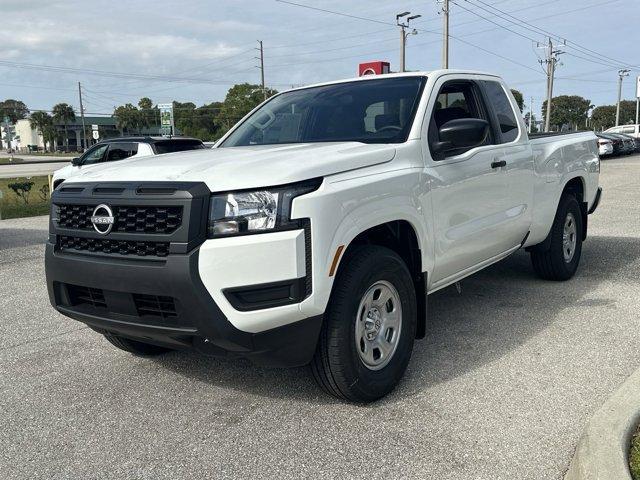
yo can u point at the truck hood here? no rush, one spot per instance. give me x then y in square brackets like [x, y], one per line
[236, 168]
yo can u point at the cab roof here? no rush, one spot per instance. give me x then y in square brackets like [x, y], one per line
[149, 139]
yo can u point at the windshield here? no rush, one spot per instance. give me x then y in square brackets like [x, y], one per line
[169, 146]
[369, 111]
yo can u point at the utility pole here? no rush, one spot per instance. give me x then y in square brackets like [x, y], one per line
[403, 36]
[530, 113]
[264, 91]
[549, 64]
[445, 35]
[637, 98]
[84, 131]
[621, 74]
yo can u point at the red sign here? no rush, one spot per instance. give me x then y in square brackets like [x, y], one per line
[373, 68]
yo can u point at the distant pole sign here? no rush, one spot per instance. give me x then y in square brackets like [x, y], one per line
[638, 99]
[166, 117]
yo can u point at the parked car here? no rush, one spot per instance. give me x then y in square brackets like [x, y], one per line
[315, 229]
[114, 149]
[634, 141]
[619, 147]
[628, 143]
[605, 146]
[631, 130]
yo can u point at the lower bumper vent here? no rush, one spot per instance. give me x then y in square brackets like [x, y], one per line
[93, 297]
[155, 305]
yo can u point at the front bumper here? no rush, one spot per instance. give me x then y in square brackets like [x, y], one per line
[123, 292]
[155, 277]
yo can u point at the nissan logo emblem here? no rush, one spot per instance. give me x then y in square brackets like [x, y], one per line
[102, 219]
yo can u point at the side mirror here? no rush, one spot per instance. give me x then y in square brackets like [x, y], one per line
[461, 133]
[75, 161]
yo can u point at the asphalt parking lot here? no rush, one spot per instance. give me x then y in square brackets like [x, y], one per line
[501, 388]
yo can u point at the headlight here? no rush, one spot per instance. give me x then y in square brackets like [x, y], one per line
[255, 211]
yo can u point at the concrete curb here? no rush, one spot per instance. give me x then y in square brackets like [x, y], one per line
[35, 162]
[602, 451]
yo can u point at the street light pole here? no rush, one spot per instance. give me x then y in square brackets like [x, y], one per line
[84, 131]
[550, 67]
[264, 91]
[621, 74]
[403, 36]
[403, 46]
[445, 35]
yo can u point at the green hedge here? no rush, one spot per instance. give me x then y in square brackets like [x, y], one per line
[634, 455]
[15, 206]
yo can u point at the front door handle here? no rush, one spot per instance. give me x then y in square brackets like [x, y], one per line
[498, 163]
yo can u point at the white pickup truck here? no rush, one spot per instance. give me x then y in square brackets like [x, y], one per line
[315, 229]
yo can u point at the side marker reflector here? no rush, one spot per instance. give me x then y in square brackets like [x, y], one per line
[336, 257]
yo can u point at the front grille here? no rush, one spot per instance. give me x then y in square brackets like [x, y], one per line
[93, 297]
[120, 247]
[151, 220]
[128, 219]
[155, 305]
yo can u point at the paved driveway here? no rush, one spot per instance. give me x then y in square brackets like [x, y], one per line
[30, 169]
[510, 372]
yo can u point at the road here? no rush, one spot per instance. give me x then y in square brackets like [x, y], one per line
[511, 370]
[30, 169]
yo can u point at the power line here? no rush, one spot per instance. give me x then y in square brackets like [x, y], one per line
[495, 23]
[314, 52]
[329, 40]
[529, 26]
[215, 63]
[384, 51]
[105, 73]
[348, 15]
[515, 62]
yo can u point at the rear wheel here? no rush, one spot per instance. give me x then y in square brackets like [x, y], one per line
[133, 346]
[561, 260]
[369, 327]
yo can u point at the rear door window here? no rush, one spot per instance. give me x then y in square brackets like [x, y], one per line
[168, 146]
[503, 110]
[120, 151]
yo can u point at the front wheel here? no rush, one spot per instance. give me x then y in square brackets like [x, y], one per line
[561, 260]
[368, 331]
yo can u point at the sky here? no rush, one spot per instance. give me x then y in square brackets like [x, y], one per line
[200, 48]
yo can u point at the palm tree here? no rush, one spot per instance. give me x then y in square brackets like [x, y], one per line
[42, 122]
[63, 114]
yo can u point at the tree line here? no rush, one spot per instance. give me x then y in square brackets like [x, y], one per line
[207, 122]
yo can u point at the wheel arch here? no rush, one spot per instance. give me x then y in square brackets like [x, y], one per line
[577, 187]
[401, 236]
[574, 185]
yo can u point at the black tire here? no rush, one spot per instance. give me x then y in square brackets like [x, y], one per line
[551, 264]
[140, 349]
[336, 365]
